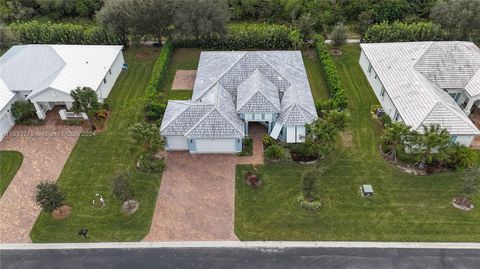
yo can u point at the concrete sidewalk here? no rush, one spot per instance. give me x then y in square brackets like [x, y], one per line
[244, 244]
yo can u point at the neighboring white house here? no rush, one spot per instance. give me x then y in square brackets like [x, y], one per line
[234, 88]
[46, 74]
[424, 83]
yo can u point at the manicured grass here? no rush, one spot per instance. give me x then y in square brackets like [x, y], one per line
[314, 74]
[10, 162]
[182, 59]
[94, 160]
[404, 208]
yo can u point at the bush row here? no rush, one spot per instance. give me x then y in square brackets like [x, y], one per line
[154, 108]
[34, 32]
[337, 100]
[403, 32]
[242, 36]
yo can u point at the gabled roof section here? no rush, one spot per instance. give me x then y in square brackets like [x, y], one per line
[414, 96]
[257, 94]
[450, 65]
[297, 107]
[221, 122]
[473, 87]
[181, 116]
[5, 95]
[30, 67]
[449, 118]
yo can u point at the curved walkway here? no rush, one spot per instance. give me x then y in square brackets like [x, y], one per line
[45, 150]
[197, 194]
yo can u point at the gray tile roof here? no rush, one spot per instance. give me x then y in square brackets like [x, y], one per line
[260, 81]
[414, 96]
[258, 94]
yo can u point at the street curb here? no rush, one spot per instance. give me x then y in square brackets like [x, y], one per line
[242, 244]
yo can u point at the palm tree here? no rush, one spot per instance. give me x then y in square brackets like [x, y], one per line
[85, 100]
[434, 138]
[395, 137]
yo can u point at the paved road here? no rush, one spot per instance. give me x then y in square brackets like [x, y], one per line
[241, 258]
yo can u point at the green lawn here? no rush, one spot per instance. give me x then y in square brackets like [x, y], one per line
[182, 59]
[317, 83]
[405, 207]
[10, 162]
[94, 160]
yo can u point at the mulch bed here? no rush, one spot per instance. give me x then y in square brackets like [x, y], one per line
[252, 180]
[184, 79]
[336, 52]
[143, 55]
[130, 206]
[300, 158]
[62, 212]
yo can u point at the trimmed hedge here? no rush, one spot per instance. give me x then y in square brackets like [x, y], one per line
[338, 99]
[159, 71]
[34, 32]
[242, 36]
[403, 32]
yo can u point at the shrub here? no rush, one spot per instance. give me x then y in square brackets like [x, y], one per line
[339, 119]
[274, 152]
[337, 93]
[243, 36]
[151, 164]
[122, 186]
[106, 104]
[73, 122]
[49, 196]
[247, 147]
[309, 205]
[386, 120]
[403, 32]
[463, 157]
[23, 110]
[154, 110]
[159, 71]
[303, 152]
[268, 140]
[101, 114]
[339, 35]
[35, 32]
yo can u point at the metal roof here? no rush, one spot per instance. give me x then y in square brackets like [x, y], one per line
[36, 68]
[417, 98]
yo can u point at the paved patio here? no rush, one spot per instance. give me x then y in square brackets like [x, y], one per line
[197, 194]
[45, 150]
[184, 80]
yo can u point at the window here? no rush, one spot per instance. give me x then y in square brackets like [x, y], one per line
[376, 75]
[397, 116]
[455, 95]
[110, 71]
[104, 80]
[369, 68]
[382, 92]
[263, 116]
[453, 139]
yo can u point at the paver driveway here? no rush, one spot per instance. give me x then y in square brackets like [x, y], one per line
[197, 194]
[45, 150]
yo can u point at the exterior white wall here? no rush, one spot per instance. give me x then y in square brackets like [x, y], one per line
[6, 119]
[294, 134]
[176, 142]
[51, 95]
[465, 140]
[377, 86]
[104, 89]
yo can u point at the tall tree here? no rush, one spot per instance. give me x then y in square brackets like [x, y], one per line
[85, 100]
[395, 137]
[460, 18]
[113, 17]
[201, 17]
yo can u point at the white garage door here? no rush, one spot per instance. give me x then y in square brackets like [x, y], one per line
[215, 145]
[177, 143]
[4, 126]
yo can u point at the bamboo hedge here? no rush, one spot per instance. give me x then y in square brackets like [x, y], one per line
[160, 69]
[240, 36]
[35, 32]
[403, 32]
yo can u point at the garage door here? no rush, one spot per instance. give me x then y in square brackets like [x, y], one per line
[4, 126]
[177, 143]
[215, 145]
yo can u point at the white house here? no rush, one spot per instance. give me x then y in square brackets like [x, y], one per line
[424, 83]
[234, 88]
[46, 74]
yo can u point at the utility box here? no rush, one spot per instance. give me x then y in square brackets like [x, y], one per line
[367, 190]
[380, 112]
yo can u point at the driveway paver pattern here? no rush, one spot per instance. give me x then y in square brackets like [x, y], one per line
[197, 194]
[45, 150]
